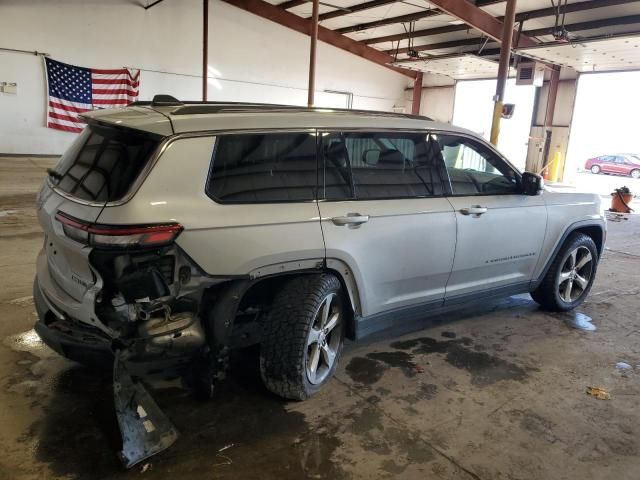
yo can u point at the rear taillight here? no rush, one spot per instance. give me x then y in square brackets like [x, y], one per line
[118, 235]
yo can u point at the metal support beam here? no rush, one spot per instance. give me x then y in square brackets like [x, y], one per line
[417, 95]
[153, 4]
[483, 21]
[552, 95]
[205, 48]
[377, 3]
[411, 17]
[302, 25]
[503, 68]
[312, 52]
[355, 8]
[438, 46]
[591, 25]
[574, 27]
[520, 17]
[291, 4]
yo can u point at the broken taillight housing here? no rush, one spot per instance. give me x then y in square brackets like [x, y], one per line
[97, 235]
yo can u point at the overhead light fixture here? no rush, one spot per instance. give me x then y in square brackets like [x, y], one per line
[456, 22]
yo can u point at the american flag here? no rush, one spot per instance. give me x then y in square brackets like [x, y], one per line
[74, 90]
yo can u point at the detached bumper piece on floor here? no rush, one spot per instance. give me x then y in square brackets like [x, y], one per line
[144, 428]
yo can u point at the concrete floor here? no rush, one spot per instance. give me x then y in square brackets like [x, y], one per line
[491, 393]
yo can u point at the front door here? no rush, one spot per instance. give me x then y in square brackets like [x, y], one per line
[500, 231]
[383, 214]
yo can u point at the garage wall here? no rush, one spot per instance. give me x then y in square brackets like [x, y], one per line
[250, 59]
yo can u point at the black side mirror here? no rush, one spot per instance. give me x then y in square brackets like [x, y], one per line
[532, 183]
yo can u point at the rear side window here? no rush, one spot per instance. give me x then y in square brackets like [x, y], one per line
[103, 163]
[381, 165]
[264, 168]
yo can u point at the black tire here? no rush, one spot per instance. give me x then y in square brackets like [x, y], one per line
[596, 169]
[284, 349]
[635, 173]
[548, 293]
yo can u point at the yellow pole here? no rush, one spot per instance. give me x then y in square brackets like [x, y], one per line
[495, 124]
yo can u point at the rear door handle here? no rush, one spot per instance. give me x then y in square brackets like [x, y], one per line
[474, 210]
[351, 219]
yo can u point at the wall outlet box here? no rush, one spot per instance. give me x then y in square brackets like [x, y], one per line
[9, 87]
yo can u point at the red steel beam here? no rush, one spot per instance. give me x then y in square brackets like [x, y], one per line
[205, 48]
[480, 20]
[292, 3]
[417, 94]
[303, 25]
[312, 53]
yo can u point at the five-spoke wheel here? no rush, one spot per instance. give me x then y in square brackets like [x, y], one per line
[575, 274]
[322, 344]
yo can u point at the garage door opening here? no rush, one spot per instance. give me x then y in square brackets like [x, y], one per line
[473, 109]
[605, 128]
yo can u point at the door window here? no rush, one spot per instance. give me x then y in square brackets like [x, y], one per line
[474, 169]
[381, 165]
[264, 168]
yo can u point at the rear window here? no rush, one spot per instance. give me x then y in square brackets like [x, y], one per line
[264, 168]
[103, 163]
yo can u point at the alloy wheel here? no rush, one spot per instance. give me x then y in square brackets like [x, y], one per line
[575, 274]
[324, 339]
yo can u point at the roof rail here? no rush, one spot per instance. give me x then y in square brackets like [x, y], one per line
[238, 107]
[198, 107]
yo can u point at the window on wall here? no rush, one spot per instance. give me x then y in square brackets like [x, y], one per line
[474, 169]
[263, 168]
[381, 165]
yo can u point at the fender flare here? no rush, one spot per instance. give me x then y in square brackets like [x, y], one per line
[599, 223]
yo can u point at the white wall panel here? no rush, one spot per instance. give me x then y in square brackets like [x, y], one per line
[252, 59]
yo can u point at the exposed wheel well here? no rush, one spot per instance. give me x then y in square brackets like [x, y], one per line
[596, 233]
[261, 294]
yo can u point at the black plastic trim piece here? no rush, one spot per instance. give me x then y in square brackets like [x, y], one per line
[414, 315]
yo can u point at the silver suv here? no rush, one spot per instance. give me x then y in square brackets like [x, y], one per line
[175, 233]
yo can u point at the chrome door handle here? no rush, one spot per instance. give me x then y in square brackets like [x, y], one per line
[474, 210]
[351, 219]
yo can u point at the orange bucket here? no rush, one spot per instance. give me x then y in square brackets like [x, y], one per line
[620, 202]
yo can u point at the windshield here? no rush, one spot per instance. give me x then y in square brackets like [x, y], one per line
[103, 163]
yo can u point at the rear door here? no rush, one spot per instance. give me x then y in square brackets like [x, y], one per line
[607, 163]
[101, 166]
[500, 231]
[383, 214]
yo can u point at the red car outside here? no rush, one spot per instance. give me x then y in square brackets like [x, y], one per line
[616, 164]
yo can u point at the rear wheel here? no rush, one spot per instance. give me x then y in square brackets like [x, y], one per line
[635, 173]
[595, 169]
[303, 336]
[570, 276]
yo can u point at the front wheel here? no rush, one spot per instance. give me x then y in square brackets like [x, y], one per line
[595, 169]
[635, 173]
[570, 277]
[303, 336]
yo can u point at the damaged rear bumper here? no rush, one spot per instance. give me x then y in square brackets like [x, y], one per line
[70, 338]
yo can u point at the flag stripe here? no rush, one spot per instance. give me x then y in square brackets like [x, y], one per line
[64, 127]
[68, 118]
[117, 81]
[69, 108]
[113, 101]
[114, 91]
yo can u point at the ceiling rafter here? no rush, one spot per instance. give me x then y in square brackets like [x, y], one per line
[482, 21]
[522, 16]
[574, 27]
[302, 25]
